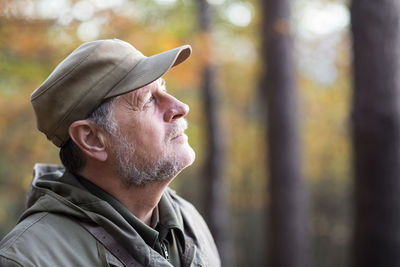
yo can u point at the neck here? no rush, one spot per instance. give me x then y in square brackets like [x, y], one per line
[140, 200]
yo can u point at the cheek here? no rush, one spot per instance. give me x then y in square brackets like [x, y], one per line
[151, 134]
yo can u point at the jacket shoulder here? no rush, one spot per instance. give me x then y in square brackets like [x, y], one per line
[46, 239]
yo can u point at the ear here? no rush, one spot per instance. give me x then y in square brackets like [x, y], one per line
[89, 139]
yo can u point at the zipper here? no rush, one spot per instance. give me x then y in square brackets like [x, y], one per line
[165, 250]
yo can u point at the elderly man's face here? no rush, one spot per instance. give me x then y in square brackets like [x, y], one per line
[149, 143]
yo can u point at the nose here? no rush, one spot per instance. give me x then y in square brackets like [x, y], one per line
[176, 110]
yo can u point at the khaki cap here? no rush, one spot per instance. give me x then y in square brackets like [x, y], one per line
[92, 73]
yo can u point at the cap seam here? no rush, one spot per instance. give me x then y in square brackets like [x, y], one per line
[126, 75]
[88, 91]
[63, 76]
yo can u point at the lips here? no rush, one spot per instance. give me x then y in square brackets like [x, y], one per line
[181, 138]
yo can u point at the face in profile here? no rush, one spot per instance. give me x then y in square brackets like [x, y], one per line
[149, 143]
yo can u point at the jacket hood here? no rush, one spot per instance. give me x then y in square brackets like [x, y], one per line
[54, 181]
[57, 191]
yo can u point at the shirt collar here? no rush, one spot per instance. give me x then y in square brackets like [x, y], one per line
[168, 220]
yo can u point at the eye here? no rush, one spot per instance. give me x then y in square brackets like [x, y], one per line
[149, 99]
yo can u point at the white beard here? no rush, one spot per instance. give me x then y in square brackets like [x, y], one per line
[139, 170]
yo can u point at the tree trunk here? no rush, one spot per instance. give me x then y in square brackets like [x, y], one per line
[287, 235]
[376, 132]
[216, 209]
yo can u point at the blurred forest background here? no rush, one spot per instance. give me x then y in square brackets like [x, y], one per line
[227, 41]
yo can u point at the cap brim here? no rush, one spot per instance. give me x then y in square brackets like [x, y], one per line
[150, 69]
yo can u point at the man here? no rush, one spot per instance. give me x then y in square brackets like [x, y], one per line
[122, 142]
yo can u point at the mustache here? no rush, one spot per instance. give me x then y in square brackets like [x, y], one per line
[178, 128]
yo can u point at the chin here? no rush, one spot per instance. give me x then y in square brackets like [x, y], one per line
[191, 155]
[187, 156]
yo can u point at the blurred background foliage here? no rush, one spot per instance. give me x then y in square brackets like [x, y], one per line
[35, 35]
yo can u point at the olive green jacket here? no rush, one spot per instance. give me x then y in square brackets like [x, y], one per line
[49, 233]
